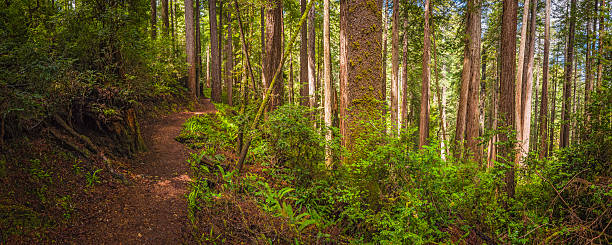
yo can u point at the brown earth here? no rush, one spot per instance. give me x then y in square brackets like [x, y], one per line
[152, 207]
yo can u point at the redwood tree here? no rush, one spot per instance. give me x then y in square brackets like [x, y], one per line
[215, 59]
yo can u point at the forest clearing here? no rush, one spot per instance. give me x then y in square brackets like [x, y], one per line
[305, 122]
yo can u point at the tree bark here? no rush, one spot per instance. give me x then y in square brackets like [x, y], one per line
[520, 75]
[600, 46]
[214, 53]
[567, 85]
[527, 87]
[440, 94]
[190, 48]
[312, 87]
[395, 61]
[507, 102]
[273, 30]
[553, 113]
[544, 100]
[303, 60]
[229, 65]
[164, 16]
[360, 71]
[424, 114]
[198, 48]
[328, 84]
[404, 106]
[154, 18]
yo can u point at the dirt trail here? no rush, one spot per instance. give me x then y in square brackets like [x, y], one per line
[153, 208]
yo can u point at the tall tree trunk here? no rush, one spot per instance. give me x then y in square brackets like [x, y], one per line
[507, 102]
[164, 16]
[245, 51]
[424, 114]
[274, 15]
[303, 60]
[360, 71]
[588, 81]
[404, 106]
[600, 46]
[567, 85]
[173, 25]
[519, 77]
[262, 30]
[527, 88]
[395, 61]
[198, 49]
[154, 18]
[215, 64]
[291, 92]
[312, 102]
[328, 84]
[553, 113]
[544, 100]
[190, 48]
[440, 96]
[208, 66]
[229, 65]
[385, 17]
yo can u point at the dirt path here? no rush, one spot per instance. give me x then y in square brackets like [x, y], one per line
[153, 208]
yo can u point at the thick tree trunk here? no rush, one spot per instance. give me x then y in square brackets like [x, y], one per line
[154, 18]
[274, 15]
[527, 88]
[312, 101]
[395, 62]
[190, 48]
[215, 64]
[328, 83]
[229, 65]
[567, 85]
[506, 102]
[303, 60]
[424, 114]
[164, 16]
[544, 100]
[360, 71]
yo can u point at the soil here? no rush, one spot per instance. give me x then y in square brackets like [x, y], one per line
[152, 207]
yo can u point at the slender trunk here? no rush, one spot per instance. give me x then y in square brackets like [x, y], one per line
[229, 65]
[385, 16]
[190, 48]
[507, 100]
[520, 75]
[215, 64]
[440, 94]
[303, 60]
[328, 83]
[526, 94]
[395, 62]
[208, 66]
[263, 49]
[291, 78]
[567, 86]
[404, 106]
[164, 16]
[553, 113]
[544, 100]
[198, 48]
[424, 115]
[173, 25]
[154, 18]
[312, 102]
[600, 46]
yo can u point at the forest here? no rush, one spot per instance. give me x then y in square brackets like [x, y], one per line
[305, 122]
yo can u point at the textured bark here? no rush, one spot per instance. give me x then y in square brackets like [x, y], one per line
[328, 83]
[385, 17]
[312, 102]
[303, 60]
[229, 63]
[544, 101]
[467, 127]
[440, 97]
[553, 113]
[567, 85]
[424, 114]
[404, 104]
[395, 61]
[600, 46]
[190, 48]
[154, 18]
[198, 48]
[274, 12]
[506, 102]
[527, 87]
[164, 16]
[360, 71]
[215, 64]
[520, 75]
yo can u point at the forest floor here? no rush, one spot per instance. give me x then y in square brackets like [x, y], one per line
[151, 208]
